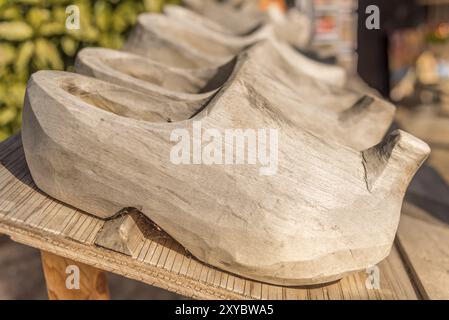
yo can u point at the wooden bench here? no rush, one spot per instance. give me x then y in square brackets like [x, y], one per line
[416, 268]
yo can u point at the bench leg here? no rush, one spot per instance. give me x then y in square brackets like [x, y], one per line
[70, 280]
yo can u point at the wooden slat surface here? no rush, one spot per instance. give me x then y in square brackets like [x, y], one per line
[423, 235]
[439, 158]
[31, 217]
[426, 249]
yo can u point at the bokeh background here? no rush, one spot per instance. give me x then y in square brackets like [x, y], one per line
[33, 36]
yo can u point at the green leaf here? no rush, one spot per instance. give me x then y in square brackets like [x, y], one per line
[11, 13]
[36, 16]
[58, 14]
[154, 5]
[69, 46]
[46, 55]
[7, 54]
[7, 115]
[15, 31]
[16, 92]
[50, 29]
[111, 40]
[4, 134]
[24, 56]
[103, 15]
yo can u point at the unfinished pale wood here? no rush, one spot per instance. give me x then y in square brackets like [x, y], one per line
[236, 21]
[425, 247]
[92, 282]
[123, 233]
[175, 271]
[186, 44]
[351, 118]
[293, 27]
[84, 152]
[179, 45]
[358, 120]
[193, 87]
[197, 19]
[202, 26]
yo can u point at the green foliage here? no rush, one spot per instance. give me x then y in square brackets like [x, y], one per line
[33, 36]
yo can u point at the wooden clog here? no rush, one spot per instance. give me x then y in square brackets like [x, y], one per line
[295, 28]
[190, 46]
[238, 22]
[148, 76]
[326, 210]
[351, 118]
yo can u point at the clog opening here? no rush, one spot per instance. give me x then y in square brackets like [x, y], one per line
[139, 69]
[127, 103]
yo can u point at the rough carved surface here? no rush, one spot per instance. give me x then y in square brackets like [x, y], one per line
[355, 119]
[295, 27]
[186, 44]
[239, 22]
[331, 208]
[148, 76]
[45, 223]
[123, 233]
